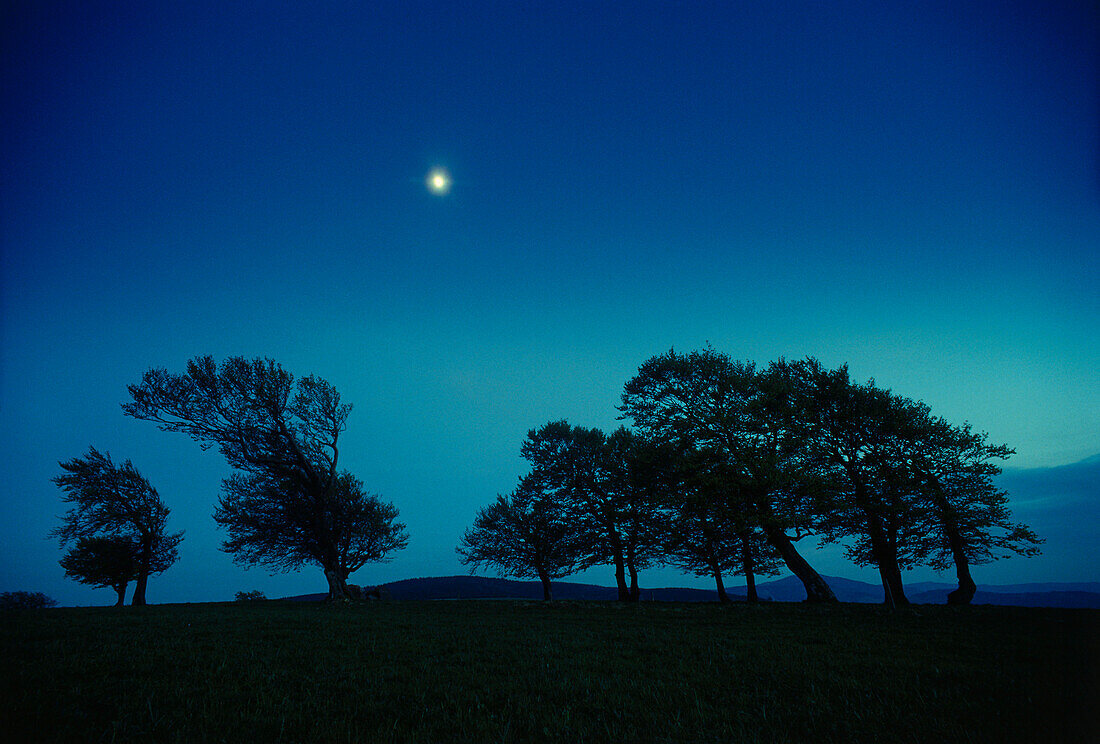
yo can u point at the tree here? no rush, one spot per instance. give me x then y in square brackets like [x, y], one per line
[706, 401]
[116, 501]
[114, 561]
[288, 503]
[641, 477]
[713, 526]
[855, 431]
[968, 519]
[527, 534]
[608, 484]
[279, 524]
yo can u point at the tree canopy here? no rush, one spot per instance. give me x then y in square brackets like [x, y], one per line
[527, 534]
[114, 561]
[609, 485]
[278, 524]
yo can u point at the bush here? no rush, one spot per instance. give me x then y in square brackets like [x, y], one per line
[250, 596]
[25, 601]
[368, 592]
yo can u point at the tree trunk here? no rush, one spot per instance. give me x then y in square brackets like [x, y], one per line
[718, 583]
[897, 587]
[120, 589]
[620, 580]
[139, 590]
[635, 593]
[620, 568]
[747, 568]
[816, 588]
[967, 588]
[547, 591]
[337, 584]
[887, 562]
[143, 572]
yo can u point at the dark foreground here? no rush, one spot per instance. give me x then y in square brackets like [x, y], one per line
[507, 671]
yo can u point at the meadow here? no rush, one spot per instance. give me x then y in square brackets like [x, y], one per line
[516, 671]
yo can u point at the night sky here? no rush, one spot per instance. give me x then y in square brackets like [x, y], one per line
[911, 188]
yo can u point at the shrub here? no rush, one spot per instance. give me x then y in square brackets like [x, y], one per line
[250, 596]
[25, 601]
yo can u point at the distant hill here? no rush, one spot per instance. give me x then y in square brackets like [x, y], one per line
[788, 589]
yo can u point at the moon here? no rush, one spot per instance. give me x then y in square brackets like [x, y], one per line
[438, 181]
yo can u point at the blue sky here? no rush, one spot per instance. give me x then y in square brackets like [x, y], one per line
[912, 189]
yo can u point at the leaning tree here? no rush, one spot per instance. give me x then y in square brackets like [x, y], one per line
[855, 430]
[287, 503]
[967, 521]
[116, 501]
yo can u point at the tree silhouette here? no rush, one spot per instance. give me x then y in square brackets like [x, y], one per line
[641, 476]
[288, 504]
[278, 524]
[116, 501]
[713, 525]
[527, 534]
[113, 561]
[706, 401]
[26, 601]
[967, 518]
[609, 486]
[855, 431]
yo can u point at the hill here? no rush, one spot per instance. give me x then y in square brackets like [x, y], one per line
[787, 589]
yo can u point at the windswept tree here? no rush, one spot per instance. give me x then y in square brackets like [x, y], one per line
[855, 433]
[526, 534]
[967, 517]
[642, 475]
[276, 523]
[116, 501]
[609, 484]
[287, 503]
[114, 562]
[713, 526]
[749, 419]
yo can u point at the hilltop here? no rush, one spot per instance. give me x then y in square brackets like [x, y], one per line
[788, 589]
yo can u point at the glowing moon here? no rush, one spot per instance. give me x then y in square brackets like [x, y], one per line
[439, 181]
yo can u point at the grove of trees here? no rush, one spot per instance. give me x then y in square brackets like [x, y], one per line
[727, 467]
[724, 470]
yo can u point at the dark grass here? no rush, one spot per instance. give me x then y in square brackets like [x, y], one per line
[513, 671]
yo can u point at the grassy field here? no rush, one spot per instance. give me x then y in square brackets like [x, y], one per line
[510, 671]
